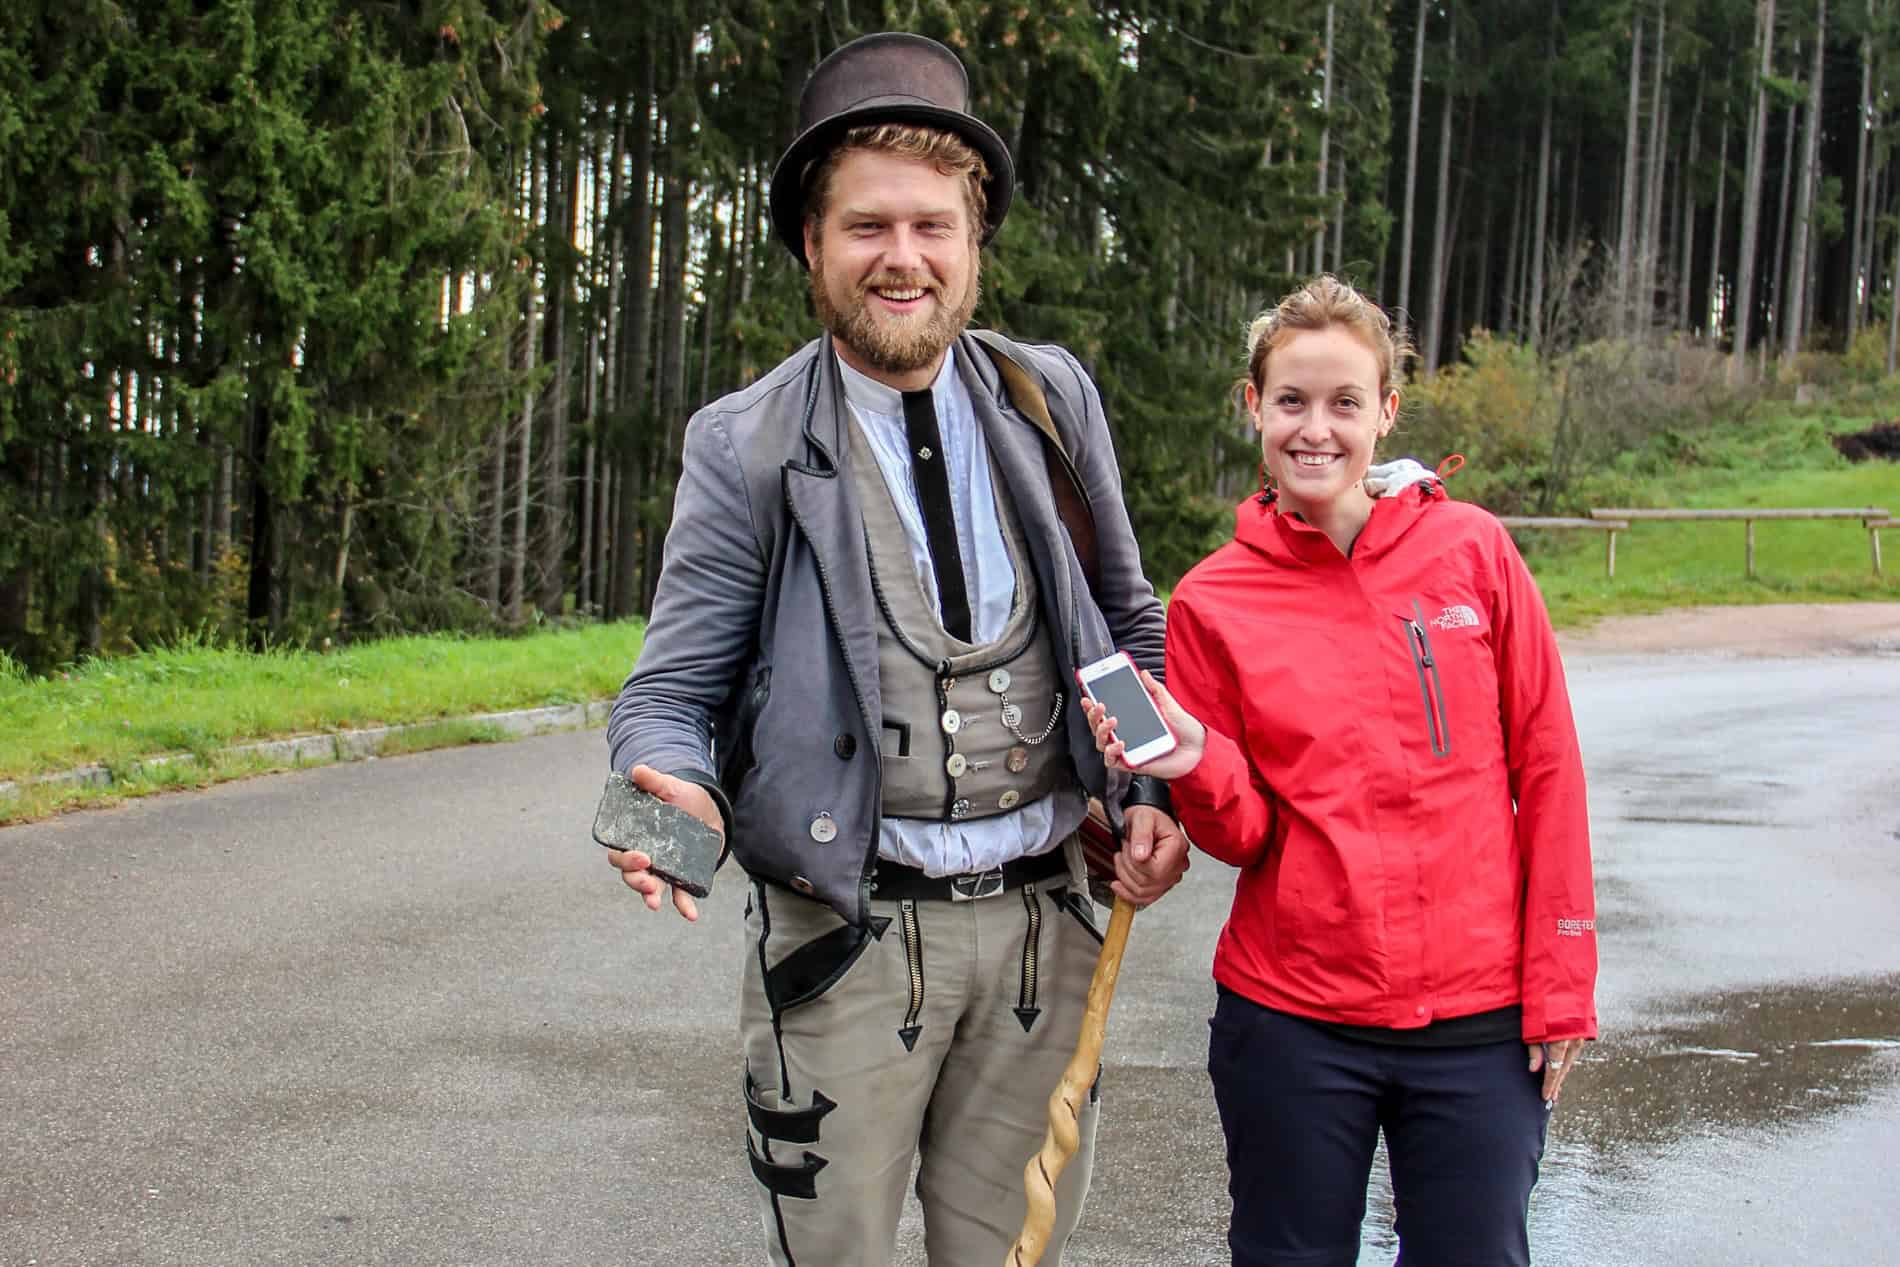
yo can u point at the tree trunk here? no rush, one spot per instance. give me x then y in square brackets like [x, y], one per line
[554, 461]
[1411, 170]
[1686, 195]
[625, 597]
[1893, 304]
[1715, 239]
[584, 600]
[1534, 319]
[22, 469]
[1859, 264]
[496, 516]
[258, 608]
[1649, 245]
[1778, 282]
[1799, 265]
[1339, 216]
[1514, 317]
[1435, 293]
[1626, 226]
[524, 462]
[1325, 143]
[1751, 188]
[1483, 246]
[671, 385]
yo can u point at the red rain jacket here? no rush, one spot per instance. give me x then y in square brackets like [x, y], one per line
[1392, 764]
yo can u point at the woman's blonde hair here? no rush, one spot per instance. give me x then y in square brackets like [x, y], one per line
[1326, 301]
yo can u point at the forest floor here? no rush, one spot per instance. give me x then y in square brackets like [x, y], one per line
[1770, 629]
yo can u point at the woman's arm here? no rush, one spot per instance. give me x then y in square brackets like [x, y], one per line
[1221, 802]
[1553, 826]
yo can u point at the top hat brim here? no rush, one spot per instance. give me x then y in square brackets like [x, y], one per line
[787, 194]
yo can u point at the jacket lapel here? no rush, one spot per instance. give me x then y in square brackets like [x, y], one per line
[826, 510]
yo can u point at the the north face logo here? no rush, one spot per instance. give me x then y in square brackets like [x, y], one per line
[1456, 617]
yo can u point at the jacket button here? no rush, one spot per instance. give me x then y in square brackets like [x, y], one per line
[845, 746]
[1418, 1011]
[824, 829]
[802, 885]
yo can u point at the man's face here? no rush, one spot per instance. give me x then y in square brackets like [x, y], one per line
[893, 266]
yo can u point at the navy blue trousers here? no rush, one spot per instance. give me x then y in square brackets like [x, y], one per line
[1302, 1107]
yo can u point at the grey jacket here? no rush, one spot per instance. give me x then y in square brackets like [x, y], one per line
[763, 628]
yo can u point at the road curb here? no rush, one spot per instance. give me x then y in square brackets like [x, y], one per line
[339, 745]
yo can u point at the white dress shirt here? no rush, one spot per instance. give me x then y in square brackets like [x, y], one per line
[972, 844]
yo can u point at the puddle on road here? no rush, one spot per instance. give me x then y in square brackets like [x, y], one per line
[1721, 1066]
[1741, 1060]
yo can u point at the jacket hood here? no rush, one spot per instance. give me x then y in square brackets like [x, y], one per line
[1262, 526]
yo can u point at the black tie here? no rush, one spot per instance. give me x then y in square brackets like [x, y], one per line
[940, 523]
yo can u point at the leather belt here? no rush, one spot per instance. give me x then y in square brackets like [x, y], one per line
[895, 882]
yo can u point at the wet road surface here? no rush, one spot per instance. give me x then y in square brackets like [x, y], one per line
[396, 1013]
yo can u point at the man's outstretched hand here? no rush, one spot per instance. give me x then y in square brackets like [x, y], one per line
[633, 865]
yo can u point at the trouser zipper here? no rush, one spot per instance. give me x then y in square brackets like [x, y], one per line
[1026, 1009]
[914, 961]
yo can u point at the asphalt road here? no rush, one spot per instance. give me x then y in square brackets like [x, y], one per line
[398, 1013]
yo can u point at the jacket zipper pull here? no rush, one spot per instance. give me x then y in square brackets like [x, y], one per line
[1424, 647]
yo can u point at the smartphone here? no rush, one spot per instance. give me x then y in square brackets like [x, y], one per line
[1112, 683]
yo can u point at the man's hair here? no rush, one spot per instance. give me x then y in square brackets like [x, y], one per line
[946, 151]
[1326, 301]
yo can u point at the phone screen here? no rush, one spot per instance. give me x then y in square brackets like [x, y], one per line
[1122, 694]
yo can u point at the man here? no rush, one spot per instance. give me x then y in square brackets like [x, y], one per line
[871, 613]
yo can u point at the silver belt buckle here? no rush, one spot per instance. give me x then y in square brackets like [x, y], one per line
[976, 884]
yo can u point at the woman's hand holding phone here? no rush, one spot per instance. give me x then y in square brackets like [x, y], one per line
[1189, 735]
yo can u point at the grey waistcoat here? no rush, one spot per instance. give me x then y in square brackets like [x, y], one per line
[969, 730]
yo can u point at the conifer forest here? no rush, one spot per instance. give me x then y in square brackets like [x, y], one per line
[326, 318]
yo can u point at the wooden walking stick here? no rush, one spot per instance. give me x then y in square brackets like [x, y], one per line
[1065, 1104]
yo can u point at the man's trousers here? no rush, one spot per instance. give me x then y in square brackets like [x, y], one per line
[938, 1033]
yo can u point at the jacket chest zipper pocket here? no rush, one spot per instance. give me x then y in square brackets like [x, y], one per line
[1431, 689]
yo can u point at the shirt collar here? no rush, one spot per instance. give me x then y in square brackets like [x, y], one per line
[867, 394]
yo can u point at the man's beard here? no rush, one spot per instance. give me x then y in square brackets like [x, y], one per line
[898, 345]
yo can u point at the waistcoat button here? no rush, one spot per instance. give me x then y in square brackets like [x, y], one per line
[952, 721]
[845, 746]
[999, 681]
[956, 765]
[824, 830]
[1009, 799]
[802, 885]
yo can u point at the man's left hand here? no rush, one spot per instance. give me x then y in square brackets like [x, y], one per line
[1153, 856]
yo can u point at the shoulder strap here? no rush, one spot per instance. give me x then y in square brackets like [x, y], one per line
[1072, 504]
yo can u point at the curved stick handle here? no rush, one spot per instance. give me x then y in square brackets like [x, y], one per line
[1065, 1104]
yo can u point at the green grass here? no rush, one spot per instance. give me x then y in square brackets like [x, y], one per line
[1784, 460]
[201, 699]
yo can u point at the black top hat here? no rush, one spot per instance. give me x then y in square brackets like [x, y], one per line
[891, 77]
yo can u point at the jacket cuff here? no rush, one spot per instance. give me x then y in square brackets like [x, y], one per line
[710, 782]
[1145, 789]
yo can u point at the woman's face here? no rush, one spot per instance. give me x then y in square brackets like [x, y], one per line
[1320, 414]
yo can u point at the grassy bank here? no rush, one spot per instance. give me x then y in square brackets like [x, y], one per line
[201, 699]
[1782, 459]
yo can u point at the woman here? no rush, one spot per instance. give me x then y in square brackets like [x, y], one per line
[1373, 727]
